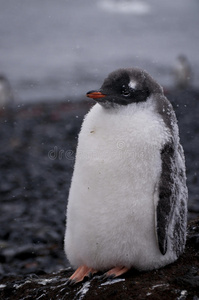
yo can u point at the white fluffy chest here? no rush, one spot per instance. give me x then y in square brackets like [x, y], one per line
[111, 200]
[118, 156]
[109, 138]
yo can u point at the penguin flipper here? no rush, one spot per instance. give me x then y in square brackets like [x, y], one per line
[167, 199]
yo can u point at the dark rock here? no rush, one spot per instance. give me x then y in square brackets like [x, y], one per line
[179, 280]
[190, 279]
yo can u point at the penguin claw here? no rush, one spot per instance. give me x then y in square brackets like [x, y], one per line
[115, 272]
[90, 275]
[70, 282]
[106, 277]
[83, 271]
[80, 274]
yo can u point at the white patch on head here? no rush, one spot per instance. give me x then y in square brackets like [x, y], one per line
[132, 84]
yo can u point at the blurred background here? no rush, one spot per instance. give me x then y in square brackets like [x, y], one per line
[60, 49]
[51, 54]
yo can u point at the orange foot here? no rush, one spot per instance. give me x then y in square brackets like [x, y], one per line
[80, 274]
[116, 272]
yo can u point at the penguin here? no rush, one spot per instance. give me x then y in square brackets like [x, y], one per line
[182, 73]
[6, 94]
[127, 205]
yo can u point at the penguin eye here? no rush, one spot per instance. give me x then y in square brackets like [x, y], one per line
[125, 92]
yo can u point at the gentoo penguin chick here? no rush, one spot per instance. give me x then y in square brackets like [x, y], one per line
[127, 204]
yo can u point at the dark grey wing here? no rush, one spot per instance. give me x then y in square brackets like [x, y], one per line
[171, 211]
[166, 196]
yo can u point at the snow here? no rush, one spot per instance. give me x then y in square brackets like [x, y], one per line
[2, 286]
[82, 292]
[18, 286]
[159, 285]
[183, 295]
[113, 281]
[45, 281]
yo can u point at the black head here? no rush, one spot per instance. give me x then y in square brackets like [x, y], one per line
[125, 86]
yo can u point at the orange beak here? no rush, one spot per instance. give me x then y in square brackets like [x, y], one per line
[95, 95]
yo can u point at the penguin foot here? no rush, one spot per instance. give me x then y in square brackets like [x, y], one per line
[80, 274]
[115, 272]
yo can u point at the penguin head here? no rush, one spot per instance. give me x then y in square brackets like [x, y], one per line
[125, 87]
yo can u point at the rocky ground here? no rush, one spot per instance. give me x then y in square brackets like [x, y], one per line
[179, 280]
[38, 145]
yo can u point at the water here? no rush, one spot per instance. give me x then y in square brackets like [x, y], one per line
[61, 49]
